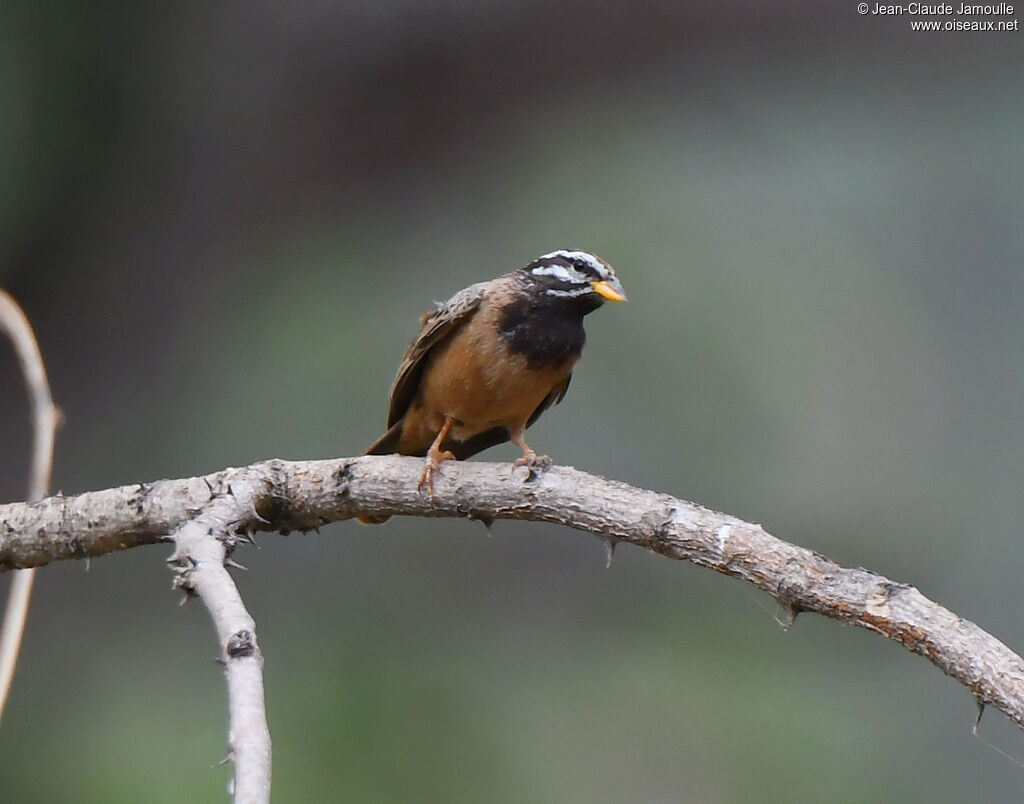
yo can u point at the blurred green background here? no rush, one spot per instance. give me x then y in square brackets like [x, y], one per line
[224, 221]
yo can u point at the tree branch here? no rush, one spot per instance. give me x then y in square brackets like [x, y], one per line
[203, 549]
[45, 418]
[284, 495]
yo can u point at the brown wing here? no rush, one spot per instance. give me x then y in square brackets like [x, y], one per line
[435, 326]
[556, 396]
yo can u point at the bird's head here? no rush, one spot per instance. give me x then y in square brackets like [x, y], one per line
[574, 275]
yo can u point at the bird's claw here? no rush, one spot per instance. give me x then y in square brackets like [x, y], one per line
[534, 463]
[432, 465]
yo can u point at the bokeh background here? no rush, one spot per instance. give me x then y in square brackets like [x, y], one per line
[224, 220]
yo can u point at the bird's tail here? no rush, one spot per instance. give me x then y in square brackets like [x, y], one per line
[385, 445]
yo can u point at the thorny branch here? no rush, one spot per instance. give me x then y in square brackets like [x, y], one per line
[284, 495]
[203, 548]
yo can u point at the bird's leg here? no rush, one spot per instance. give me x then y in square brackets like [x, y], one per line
[434, 457]
[530, 458]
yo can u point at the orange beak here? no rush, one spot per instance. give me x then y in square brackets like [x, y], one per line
[609, 289]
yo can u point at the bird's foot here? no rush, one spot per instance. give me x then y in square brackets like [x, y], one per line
[432, 465]
[534, 463]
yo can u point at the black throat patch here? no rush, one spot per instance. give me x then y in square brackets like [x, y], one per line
[546, 334]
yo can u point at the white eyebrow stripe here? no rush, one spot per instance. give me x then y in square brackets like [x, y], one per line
[582, 256]
[559, 272]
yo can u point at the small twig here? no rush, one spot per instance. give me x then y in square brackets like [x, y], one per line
[45, 418]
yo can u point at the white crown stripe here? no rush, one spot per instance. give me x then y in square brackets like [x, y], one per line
[592, 262]
[559, 272]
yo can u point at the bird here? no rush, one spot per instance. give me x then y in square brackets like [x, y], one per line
[489, 361]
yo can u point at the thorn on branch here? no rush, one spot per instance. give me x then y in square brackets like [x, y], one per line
[229, 757]
[486, 519]
[610, 543]
[790, 608]
[228, 538]
[246, 536]
[789, 617]
[256, 515]
[240, 530]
